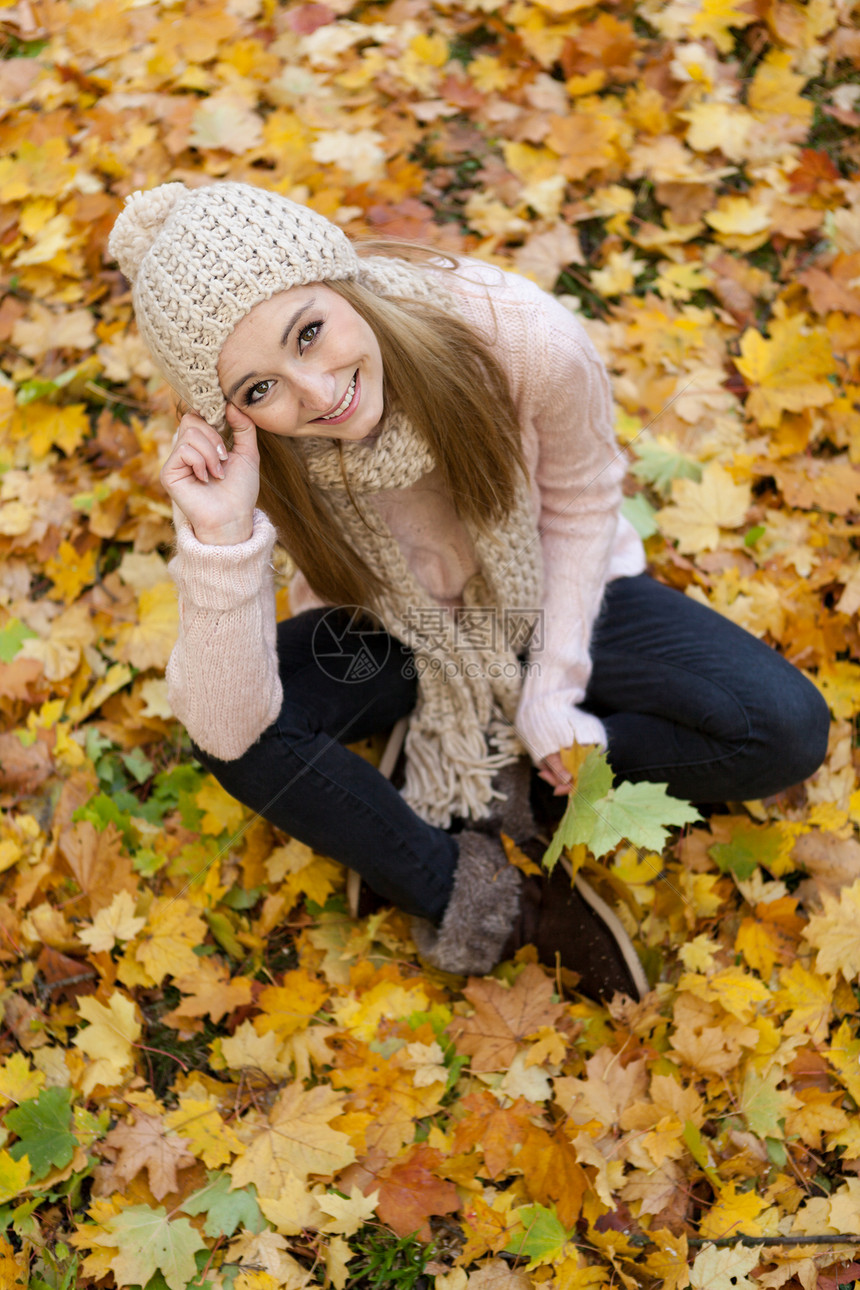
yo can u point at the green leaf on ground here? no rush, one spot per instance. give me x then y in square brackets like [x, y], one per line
[641, 514]
[148, 1243]
[658, 466]
[544, 1236]
[750, 847]
[12, 637]
[225, 1210]
[43, 1126]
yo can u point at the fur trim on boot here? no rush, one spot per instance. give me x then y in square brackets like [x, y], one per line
[481, 914]
[511, 813]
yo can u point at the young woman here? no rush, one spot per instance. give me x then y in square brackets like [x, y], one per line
[432, 444]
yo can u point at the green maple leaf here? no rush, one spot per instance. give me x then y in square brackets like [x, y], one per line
[601, 816]
[593, 783]
[148, 1243]
[750, 847]
[544, 1236]
[12, 638]
[658, 466]
[225, 1210]
[43, 1125]
[764, 1105]
[639, 511]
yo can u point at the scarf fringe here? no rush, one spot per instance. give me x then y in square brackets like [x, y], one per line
[461, 733]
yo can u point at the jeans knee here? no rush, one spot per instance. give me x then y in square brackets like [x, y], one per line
[801, 728]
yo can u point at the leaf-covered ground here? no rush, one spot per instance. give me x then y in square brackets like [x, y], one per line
[208, 1074]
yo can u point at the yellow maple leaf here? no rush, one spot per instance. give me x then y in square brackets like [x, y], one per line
[297, 1140]
[759, 944]
[362, 1016]
[839, 682]
[724, 1269]
[739, 215]
[788, 372]
[348, 1214]
[733, 1212]
[46, 425]
[197, 1120]
[70, 572]
[490, 74]
[116, 922]
[108, 1040]
[337, 1255]
[246, 1050]
[290, 1006]
[222, 810]
[835, 933]
[699, 509]
[807, 998]
[295, 1208]
[716, 18]
[18, 1081]
[14, 1175]
[174, 927]
[775, 89]
[669, 1263]
[148, 642]
[844, 1057]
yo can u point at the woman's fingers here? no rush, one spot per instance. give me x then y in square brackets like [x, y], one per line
[199, 447]
[244, 431]
[553, 770]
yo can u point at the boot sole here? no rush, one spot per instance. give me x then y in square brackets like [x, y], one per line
[615, 927]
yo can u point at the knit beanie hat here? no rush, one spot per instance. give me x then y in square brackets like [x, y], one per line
[199, 259]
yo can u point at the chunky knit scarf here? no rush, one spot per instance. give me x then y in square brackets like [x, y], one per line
[461, 731]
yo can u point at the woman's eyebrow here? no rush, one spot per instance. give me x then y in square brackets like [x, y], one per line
[285, 336]
[295, 318]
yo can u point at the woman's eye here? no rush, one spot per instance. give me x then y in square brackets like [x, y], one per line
[256, 392]
[308, 334]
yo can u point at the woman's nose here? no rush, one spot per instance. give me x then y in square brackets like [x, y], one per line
[315, 390]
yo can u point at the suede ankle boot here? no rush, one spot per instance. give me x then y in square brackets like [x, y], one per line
[494, 910]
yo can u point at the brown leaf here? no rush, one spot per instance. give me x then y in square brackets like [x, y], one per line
[496, 1129]
[409, 1192]
[23, 769]
[815, 484]
[63, 976]
[145, 1143]
[98, 863]
[503, 1017]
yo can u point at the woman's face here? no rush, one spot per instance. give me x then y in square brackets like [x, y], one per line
[305, 363]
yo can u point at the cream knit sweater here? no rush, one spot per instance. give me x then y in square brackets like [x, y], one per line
[223, 672]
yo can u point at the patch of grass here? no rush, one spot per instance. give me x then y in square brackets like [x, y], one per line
[386, 1260]
[164, 1053]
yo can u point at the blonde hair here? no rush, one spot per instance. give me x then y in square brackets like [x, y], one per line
[453, 389]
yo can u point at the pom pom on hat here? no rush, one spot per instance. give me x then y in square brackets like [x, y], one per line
[140, 223]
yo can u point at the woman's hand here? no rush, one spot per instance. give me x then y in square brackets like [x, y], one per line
[216, 490]
[553, 771]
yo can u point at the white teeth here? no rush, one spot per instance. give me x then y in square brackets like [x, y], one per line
[344, 403]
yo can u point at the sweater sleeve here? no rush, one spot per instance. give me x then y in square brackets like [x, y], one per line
[222, 676]
[578, 474]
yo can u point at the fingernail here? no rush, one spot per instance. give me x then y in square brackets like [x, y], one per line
[219, 471]
[222, 452]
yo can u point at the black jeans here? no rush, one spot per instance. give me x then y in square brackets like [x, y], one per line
[687, 699]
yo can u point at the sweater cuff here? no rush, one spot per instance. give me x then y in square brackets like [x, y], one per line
[223, 577]
[548, 725]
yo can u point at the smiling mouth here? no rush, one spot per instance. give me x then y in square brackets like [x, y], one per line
[345, 405]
